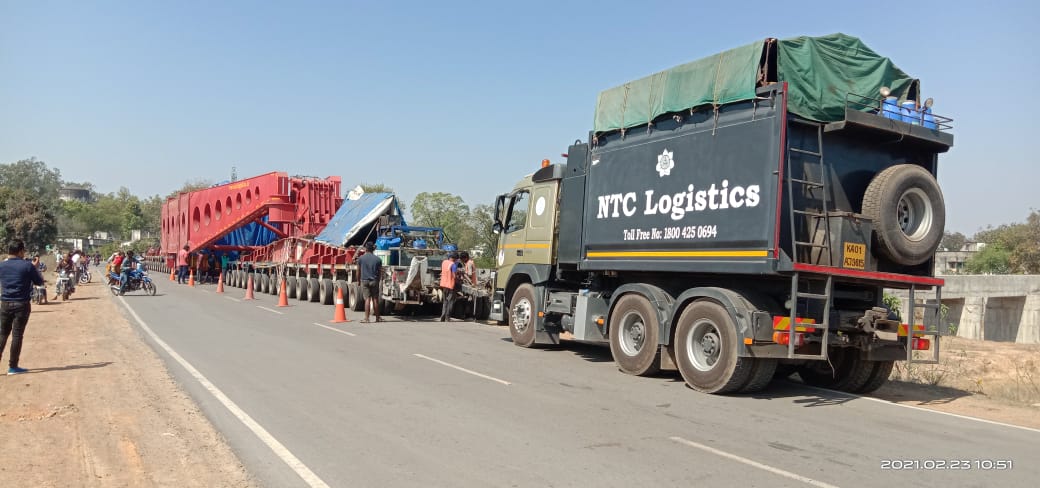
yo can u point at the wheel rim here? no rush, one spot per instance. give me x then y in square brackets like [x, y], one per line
[633, 333]
[521, 316]
[914, 212]
[704, 345]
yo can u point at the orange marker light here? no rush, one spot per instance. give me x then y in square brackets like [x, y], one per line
[545, 163]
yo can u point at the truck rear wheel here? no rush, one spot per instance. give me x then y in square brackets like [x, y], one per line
[258, 282]
[357, 301]
[706, 349]
[762, 374]
[882, 370]
[522, 312]
[844, 371]
[634, 336]
[908, 211]
[301, 294]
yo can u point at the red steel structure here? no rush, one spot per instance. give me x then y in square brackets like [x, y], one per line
[294, 207]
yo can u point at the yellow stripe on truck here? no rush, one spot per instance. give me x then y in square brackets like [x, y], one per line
[678, 254]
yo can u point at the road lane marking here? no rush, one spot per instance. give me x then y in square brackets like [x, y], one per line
[269, 310]
[233, 299]
[351, 334]
[749, 462]
[464, 370]
[277, 447]
[922, 409]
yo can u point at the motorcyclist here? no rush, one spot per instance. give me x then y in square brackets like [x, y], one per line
[66, 266]
[128, 265]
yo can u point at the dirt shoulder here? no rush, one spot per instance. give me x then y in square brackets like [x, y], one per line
[99, 409]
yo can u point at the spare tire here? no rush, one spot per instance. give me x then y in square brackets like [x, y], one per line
[908, 211]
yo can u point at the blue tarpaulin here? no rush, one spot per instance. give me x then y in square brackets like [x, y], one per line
[353, 221]
[252, 234]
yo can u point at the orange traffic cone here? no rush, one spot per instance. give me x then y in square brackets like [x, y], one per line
[249, 289]
[220, 282]
[172, 278]
[341, 311]
[283, 298]
[191, 277]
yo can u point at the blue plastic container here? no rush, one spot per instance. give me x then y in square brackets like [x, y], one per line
[419, 243]
[890, 109]
[450, 247]
[910, 112]
[929, 119]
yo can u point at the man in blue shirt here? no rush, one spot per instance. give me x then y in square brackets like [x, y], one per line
[371, 268]
[17, 277]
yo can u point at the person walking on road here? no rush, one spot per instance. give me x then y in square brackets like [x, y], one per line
[371, 270]
[17, 277]
[449, 268]
[182, 265]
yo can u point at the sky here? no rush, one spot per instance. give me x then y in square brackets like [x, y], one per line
[457, 97]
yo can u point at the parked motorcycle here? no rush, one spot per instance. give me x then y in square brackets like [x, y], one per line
[139, 280]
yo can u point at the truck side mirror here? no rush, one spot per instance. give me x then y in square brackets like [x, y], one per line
[496, 227]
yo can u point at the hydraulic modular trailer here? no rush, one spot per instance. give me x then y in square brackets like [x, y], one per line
[316, 268]
[742, 240]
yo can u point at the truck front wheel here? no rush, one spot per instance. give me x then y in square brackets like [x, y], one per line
[522, 312]
[706, 349]
[634, 336]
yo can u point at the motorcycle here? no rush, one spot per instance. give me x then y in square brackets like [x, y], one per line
[139, 280]
[84, 275]
[63, 286]
[38, 295]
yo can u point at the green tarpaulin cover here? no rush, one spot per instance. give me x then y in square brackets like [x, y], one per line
[820, 72]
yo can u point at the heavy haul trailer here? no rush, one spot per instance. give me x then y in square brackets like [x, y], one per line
[728, 223]
[315, 268]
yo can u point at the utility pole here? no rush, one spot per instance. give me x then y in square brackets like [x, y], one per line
[234, 174]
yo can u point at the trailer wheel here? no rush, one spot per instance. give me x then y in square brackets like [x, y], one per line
[635, 336]
[706, 349]
[342, 285]
[908, 211]
[258, 282]
[276, 284]
[357, 302]
[522, 310]
[290, 287]
[328, 292]
[314, 290]
[302, 284]
[882, 370]
[845, 370]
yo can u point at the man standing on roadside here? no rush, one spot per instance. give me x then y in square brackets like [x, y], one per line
[371, 270]
[448, 279]
[182, 265]
[17, 277]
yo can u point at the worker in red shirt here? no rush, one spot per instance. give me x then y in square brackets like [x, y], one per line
[182, 265]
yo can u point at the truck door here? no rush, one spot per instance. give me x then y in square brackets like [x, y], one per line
[540, 224]
[512, 246]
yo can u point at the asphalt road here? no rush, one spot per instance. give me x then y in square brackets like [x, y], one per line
[423, 403]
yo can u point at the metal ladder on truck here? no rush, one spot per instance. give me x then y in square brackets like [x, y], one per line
[802, 286]
[931, 326]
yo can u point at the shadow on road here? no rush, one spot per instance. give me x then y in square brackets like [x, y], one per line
[71, 367]
[800, 394]
[918, 394]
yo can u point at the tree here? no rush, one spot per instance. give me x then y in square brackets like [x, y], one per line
[133, 219]
[1020, 241]
[26, 217]
[481, 220]
[992, 259]
[447, 211]
[953, 241]
[35, 177]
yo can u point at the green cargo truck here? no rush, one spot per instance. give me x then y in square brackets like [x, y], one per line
[737, 218]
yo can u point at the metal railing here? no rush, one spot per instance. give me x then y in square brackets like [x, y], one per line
[918, 116]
